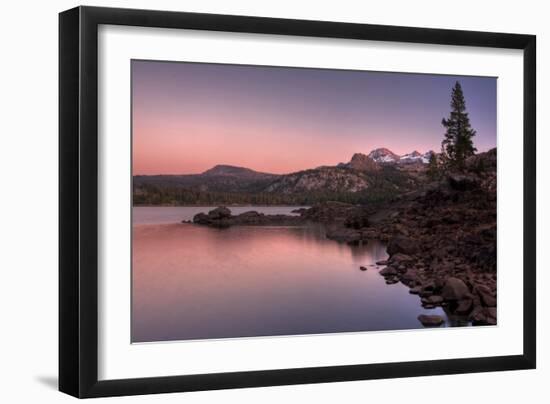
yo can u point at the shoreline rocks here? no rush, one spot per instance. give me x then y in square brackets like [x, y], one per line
[442, 245]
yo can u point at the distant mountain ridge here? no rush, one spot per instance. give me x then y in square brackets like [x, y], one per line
[220, 178]
[235, 171]
[381, 171]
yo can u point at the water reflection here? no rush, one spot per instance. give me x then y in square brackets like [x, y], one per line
[193, 282]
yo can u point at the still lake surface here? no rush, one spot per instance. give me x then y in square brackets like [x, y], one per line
[196, 282]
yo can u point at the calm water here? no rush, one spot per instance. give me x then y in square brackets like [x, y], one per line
[194, 282]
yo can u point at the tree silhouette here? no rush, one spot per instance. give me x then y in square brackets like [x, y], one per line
[457, 144]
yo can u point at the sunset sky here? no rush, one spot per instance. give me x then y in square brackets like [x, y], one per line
[188, 117]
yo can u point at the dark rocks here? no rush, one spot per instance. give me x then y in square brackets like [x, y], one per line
[455, 289]
[201, 218]
[402, 245]
[219, 213]
[491, 313]
[388, 271]
[343, 234]
[478, 316]
[487, 299]
[401, 229]
[464, 307]
[428, 287]
[483, 316]
[430, 320]
[357, 220]
[300, 211]
[362, 268]
[483, 162]
[462, 182]
[415, 291]
[400, 259]
[331, 212]
[215, 217]
[392, 280]
[411, 275]
[434, 300]
[222, 217]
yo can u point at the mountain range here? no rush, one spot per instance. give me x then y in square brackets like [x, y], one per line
[379, 172]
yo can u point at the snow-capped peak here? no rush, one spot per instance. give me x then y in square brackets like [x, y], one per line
[415, 157]
[383, 155]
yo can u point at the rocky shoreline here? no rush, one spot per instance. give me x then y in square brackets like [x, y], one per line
[441, 239]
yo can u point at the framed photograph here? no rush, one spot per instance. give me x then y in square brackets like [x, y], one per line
[251, 201]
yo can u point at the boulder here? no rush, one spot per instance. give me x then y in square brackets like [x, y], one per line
[455, 289]
[410, 276]
[435, 299]
[402, 245]
[400, 258]
[219, 213]
[388, 271]
[431, 320]
[362, 268]
[415, 290]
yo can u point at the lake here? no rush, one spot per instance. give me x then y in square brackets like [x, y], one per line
[195, 282]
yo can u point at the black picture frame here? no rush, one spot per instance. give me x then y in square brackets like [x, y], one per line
[78, 201]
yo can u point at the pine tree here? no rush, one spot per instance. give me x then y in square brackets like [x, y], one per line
[457, 145]
[433, 167]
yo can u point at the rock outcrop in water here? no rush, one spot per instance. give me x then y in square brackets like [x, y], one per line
[222, 217]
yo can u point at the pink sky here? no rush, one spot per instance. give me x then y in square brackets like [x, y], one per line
[267, 149]
[189, 117]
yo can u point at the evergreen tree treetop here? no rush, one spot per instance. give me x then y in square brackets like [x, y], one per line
[457, 144]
